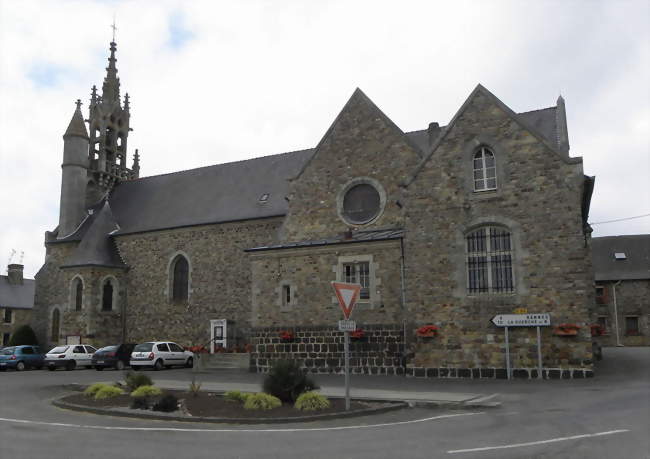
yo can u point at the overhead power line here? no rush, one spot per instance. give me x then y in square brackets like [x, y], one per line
[621, 219]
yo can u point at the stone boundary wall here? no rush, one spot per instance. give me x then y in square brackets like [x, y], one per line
[498, 373]
[319, 349]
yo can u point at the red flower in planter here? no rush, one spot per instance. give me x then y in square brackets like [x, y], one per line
[566, 330]
[597, 330]
[197, 349]
[427, 331]
[358, 334]
[286, 335]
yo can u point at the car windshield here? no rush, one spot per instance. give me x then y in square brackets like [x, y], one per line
[107, 349]
[58, 350]
[145, 347]
[7, 351]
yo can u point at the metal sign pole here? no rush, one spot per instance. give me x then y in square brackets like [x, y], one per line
[347, 370]
[539, 353]
[507, 355]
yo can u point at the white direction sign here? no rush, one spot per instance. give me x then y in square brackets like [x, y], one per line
[522, 320]
[347, 325]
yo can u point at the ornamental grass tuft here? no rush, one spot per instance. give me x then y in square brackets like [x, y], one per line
[134, 380]
[311, 401]
[108, 392]
[236, 396]
[146, 391]
[93, 388]
[262, 401]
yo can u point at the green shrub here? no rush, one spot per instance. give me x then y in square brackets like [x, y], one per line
[287, 381]
[311, 401]
[134, 380]
[140, 403]
[146, 391]
[23, 335]
[108, 392]
[261, 401]
[167, 404]
[93, 389]
[236, 396]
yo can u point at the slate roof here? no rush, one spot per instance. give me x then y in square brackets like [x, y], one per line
[97, 248]
[355, 237]
[218, 194]
[17, 296]
[637, 264]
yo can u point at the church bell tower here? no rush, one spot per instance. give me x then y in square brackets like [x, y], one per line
[109, 131]
[95, 161]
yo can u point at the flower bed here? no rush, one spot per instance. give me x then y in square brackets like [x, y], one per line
[566, 330]
[427, 331]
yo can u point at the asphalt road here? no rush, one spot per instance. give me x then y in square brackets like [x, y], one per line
[605, 417]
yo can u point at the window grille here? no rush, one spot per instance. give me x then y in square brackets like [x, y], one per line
[489, 261]
[485, 170]
[286, 295]
[7, 318]
[358, 273]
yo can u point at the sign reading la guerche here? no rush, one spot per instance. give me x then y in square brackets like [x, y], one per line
[522, 320]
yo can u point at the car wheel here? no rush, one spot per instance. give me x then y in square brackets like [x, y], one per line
[119, 366]
[158, 365]
[20, 366]
[98, 368]
[189, 363]
[71, 365]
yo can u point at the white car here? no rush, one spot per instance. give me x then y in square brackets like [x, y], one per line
[70, 357]
[159, 355]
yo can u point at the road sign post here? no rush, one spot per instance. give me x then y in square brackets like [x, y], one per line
[347, 294]
[523, 320]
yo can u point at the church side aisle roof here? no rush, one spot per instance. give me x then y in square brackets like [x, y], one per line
[634, 264]
[97, 247]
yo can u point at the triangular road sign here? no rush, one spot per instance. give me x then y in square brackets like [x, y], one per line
[347, 294]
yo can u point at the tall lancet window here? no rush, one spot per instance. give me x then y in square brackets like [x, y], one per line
[107, 296]
[180, 280]
[78, 294]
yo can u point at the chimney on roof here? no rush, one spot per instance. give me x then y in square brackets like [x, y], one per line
[433, 131]
[560, 122]
[15, 274]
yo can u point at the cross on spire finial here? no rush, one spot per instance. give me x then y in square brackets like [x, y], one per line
[78, 104]
[114, 28]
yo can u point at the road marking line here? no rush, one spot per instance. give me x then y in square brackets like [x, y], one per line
[174, 429]
[540, 442]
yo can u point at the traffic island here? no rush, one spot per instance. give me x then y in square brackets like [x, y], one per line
[211, 407]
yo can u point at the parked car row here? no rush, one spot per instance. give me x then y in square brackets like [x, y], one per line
[155, 354]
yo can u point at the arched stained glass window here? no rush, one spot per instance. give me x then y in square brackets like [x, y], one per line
[180, 280]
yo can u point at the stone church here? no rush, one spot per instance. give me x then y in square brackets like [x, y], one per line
[443, 227]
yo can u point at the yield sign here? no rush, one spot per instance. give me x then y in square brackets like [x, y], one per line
[347, 294]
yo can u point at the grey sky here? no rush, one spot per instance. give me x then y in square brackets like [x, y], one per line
[213, 82]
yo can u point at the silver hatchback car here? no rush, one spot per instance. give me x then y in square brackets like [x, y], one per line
[159, 355]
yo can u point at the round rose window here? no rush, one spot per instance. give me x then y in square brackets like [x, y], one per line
[361, 204]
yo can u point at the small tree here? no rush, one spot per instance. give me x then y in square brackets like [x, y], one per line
[23, 335]
[287, 381]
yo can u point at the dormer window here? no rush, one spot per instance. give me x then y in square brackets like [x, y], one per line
[620, 256]
[485, 170]
[264, 198]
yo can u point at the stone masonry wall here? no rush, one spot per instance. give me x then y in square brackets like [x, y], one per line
[539, 200]
[321, 349]
[20, 317]
[309, 271]
[631, 300]
[220, 279]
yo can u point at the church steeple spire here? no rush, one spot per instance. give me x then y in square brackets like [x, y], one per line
[111, 86]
